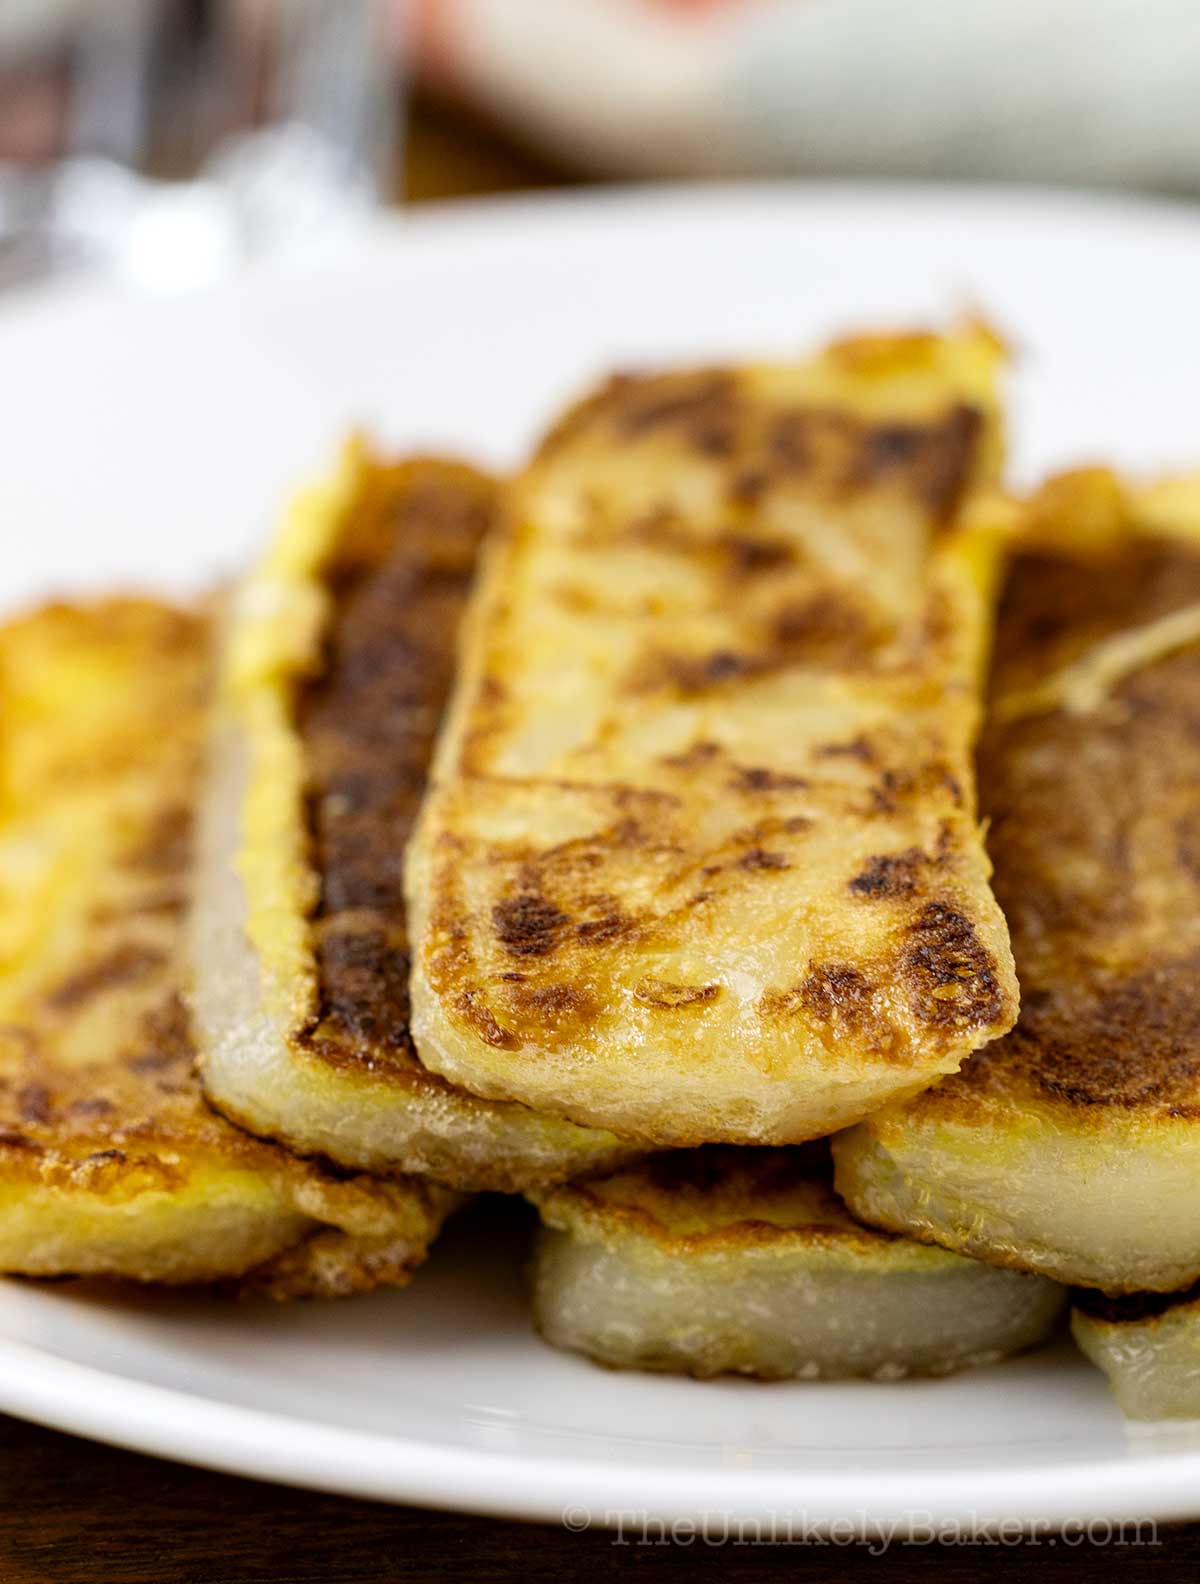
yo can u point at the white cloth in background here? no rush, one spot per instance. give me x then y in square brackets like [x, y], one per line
[1095, 91]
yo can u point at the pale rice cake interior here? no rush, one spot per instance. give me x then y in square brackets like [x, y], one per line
[1148, 1344]
[724, 1260]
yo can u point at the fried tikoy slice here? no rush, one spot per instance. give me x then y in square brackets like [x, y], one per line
[1148, 1344]
[111, 1164]
[337, 661]
[701, 860]
[1073, 1146]
[723, 1260]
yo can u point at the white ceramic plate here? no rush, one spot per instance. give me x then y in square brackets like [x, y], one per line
[151, 439]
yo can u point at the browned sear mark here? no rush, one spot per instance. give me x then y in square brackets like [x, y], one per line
[831, 993]
[757, 778]
[748, 487]
[475, 1011]
[838, 997]
[934, 459]
[365, 979]
[125, 964]
[399, 577]
[891, 789]
[33, 1103]
[609, 926]
[1128, 1042]
[857, 748]
[663, 993]
[757, 858]
[693, 674]
[557, 1010]
[10, 1139]
[1131, 1308]
[826, 628]
[830, 451]
[693, 758]
[889, 875]
[951, 976]
[527, 925]
[835, 989]
[91, 1106]
[840, 453]
[751, 554]
[703, 407]
[165, 847]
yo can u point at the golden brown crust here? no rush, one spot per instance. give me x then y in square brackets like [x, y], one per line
[397, 577]
[330, 1263]
[720, 1199]
[91, 1118]
[1095, 835]
[101, 718]
[834, 453]
[1132, 1308]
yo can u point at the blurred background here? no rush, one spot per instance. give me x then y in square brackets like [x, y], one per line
[169, 141]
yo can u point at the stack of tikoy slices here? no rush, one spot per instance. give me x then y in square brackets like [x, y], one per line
[698, 870]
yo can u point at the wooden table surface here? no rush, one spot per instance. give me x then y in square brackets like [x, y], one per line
[72, 1512]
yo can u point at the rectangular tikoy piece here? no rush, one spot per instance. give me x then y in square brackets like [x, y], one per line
[338, 656]
[111, 1164]
[701, 859]
[1073, 1146]
[724, 1260]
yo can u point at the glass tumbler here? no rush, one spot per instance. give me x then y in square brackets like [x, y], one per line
[169, 141]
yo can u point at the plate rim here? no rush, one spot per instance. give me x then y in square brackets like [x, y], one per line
[140, 1416]
[456, 219]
